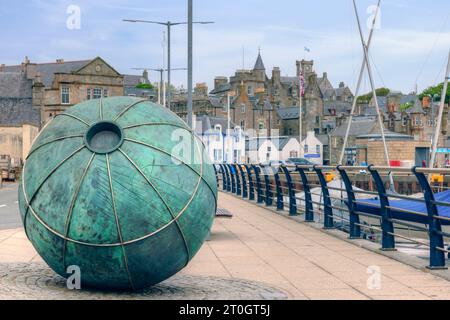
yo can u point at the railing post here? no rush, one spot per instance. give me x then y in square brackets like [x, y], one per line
[269, 193]
[291, 187]
[387, 227]
[437, 257]
[238, 180]
[309, 209]
[215, 174]
[224, 178]
[233, 179]
[280, 200]
[355, 229]
[251, 187]
[244, 182]
[328, 222]
[227, 170]
[258, 184]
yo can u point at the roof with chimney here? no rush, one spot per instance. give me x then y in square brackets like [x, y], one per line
[48, 70]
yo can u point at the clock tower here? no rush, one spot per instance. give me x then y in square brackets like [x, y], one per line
[306, 67]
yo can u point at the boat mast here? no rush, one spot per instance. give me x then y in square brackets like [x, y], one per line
[374, 94]
[441, 112]
[358, 86]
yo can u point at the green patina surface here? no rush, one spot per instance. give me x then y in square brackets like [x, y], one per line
[130, 206]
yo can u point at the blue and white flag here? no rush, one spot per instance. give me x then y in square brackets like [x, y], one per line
[307, 49]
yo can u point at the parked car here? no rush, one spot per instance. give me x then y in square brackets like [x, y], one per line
[301, 161]
[274, 166]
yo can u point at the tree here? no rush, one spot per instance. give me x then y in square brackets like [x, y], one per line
[381, 92]
[437, 90]
[406, 106]
[144, 86]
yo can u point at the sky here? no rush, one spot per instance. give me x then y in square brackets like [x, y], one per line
[410, 45]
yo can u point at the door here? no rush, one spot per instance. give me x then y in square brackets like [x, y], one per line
[422, 154]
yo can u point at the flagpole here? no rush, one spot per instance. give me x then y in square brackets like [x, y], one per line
[300, 112]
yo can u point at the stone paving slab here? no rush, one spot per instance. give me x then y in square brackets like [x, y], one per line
[262, 250]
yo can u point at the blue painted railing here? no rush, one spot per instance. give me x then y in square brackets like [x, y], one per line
[280, 188]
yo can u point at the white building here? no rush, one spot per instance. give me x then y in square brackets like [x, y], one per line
[221, 147]
[312, 149]
[260, 149]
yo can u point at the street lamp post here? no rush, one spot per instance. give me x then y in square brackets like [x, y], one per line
[168, 24]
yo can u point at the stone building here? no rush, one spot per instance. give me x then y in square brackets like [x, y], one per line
[19, 120]
[59, 85]
[139, 86]
[202, 103]
[267, 104]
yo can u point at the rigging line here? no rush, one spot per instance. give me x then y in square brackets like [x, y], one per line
[432, 48]
[377, 70]
[441, 70]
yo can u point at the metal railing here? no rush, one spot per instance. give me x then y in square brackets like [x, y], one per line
[296, 189]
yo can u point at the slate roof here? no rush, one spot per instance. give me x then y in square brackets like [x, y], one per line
[339, 106]
[48, 70]
[18, 111]
[259, 65]
[14, 85]
[138, 92]
[221, 89]
[266, 104]
[417, 108]
[360, 126]
[290, 113]
[131, 80]
[388, 135]
[16, 104]
[206, 123]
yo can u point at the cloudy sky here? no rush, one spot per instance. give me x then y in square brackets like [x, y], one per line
[411, 44]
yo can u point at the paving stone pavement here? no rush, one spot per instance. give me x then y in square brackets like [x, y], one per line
[256, 254]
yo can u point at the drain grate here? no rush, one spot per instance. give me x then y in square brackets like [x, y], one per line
[223, 213]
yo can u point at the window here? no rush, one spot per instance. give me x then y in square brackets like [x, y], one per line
[261, 125]
[88, 94]
[404, 121]
[218, 132]
[243, 108]
[250, 90]
[317, 149]
[243, 124]
[97, 93]
[417, 121]
[306, 148]
[217, 155]
[293, 154]
[65, 95]
[105, 93]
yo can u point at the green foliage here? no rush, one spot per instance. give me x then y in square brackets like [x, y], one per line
[437, 90]
[381, 92]
[406, 106]
[144, 86]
